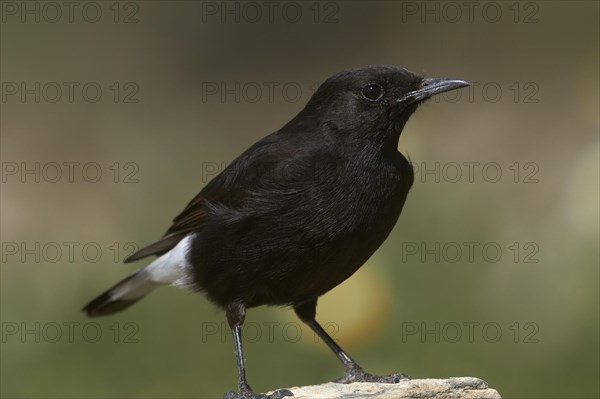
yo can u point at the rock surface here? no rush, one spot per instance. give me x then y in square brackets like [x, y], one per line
[451, 388]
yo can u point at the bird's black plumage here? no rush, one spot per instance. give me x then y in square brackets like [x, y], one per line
[302, 209]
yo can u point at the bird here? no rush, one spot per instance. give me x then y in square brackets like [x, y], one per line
[295, 214]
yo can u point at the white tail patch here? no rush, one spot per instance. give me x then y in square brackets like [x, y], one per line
[170, 267]
[167, 269]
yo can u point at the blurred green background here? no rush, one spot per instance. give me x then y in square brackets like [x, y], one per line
[486, 274]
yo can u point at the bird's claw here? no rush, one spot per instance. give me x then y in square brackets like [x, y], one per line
[357, 374]
[249, 394]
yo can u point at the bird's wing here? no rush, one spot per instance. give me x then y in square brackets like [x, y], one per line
[228, 188]
[189, 219]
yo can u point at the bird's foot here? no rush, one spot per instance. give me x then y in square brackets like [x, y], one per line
[250, 394]
[357, 374]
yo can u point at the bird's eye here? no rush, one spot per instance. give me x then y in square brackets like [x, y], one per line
[372, 92]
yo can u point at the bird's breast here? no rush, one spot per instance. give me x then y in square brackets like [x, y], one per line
[348, 224]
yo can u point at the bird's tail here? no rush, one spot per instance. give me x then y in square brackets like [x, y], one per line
[122, 295]
[169, 268]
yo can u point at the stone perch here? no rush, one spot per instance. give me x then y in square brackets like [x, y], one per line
[449, 388]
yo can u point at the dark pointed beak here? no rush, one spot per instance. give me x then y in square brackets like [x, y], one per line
[431, 87]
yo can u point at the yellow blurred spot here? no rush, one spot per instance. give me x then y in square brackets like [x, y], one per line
[353, 312]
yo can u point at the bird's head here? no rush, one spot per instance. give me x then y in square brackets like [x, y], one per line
[373, 102]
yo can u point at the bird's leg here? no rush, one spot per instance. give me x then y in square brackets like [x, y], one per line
[236, 313]
[354, 373]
